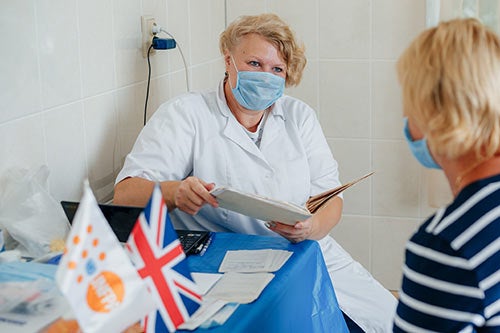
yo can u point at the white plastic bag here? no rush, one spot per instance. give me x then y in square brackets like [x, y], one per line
[29, 214]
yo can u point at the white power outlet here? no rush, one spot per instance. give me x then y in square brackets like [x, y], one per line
[147, 23]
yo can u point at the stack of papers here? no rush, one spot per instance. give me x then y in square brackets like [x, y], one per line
[246, 274]
[210, 307]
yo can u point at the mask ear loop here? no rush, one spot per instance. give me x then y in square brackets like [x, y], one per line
[234, 62]
[237, 71]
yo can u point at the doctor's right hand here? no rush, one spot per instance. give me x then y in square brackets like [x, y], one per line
[192, 193]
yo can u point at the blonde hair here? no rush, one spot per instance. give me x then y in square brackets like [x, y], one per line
[450, 77]
[277, 32]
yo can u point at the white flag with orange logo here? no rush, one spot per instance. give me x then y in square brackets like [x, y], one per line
[96, 275]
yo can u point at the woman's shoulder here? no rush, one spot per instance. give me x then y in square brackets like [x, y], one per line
[294, 101]
[187, 100]
[295, 109]
[187, 104]
[295, 105]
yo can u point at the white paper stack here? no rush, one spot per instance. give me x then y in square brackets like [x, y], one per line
[246, 274]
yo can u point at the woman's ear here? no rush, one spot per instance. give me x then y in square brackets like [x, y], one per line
[227, 59]
[415, 132]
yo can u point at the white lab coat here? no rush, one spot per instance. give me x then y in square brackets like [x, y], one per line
[196, 134]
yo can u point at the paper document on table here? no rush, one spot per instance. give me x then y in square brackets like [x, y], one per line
[240, 287]
[208, 309]
[212, 312]
[205, 281]
[249, 261]
[220, 317]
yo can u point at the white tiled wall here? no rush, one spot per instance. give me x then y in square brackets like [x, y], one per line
[73, 82]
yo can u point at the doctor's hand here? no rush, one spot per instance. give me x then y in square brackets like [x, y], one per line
[296, 233]
[192, 194]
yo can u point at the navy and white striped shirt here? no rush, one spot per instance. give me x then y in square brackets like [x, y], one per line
[451, 276]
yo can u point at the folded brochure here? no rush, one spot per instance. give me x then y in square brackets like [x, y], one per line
[268, 209]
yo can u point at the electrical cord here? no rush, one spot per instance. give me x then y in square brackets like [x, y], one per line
[147, 89]
[160, 29]
[157, 29]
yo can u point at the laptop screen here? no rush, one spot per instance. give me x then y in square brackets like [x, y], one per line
[122, 220]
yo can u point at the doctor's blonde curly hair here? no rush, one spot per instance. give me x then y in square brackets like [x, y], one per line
[450, 77]
[277, 32]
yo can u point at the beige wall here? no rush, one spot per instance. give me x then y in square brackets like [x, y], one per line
[73, 84]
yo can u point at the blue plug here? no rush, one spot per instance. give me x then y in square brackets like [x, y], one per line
[163, 43]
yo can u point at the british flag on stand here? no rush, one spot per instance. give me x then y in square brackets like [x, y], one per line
[159, 259]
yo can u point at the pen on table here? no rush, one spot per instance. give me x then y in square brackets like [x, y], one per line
[205, 246]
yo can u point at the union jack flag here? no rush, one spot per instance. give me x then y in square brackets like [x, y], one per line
[159, 259]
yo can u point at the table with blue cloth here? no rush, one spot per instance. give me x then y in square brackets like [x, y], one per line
[300, 298]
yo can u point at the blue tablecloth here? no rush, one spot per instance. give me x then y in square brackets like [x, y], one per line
[300, 298]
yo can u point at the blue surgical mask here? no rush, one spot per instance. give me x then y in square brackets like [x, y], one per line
[257, 90]
[420, 149]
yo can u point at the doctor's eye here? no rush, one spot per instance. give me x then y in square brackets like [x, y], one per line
[254, 63]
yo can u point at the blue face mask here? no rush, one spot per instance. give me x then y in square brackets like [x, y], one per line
[419, 149]
[257, 90]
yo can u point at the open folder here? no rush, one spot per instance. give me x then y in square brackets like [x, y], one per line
[267, 209]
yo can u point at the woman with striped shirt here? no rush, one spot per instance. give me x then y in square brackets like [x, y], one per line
[450, 78]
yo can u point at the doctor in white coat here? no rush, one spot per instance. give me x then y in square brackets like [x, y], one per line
[248, 135]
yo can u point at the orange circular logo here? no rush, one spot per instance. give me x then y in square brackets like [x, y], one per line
[105, 292]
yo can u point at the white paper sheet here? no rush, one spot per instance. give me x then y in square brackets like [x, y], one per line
[240, 287]
[248, 261]
[209, 307]
[205, 281]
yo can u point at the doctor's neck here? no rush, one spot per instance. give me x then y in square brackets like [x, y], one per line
[248, 118]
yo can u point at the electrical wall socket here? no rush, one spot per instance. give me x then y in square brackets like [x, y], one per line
[147, 23]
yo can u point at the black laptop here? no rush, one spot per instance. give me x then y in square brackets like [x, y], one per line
[122, 219]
